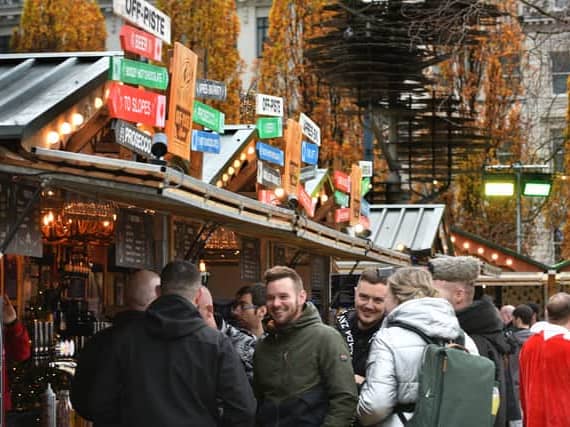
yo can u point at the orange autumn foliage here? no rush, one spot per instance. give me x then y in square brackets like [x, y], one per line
[60, 26]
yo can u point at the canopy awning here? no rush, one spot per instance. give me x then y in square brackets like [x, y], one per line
[167, 190]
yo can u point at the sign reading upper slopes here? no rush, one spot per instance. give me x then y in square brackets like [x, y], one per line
[144, 15]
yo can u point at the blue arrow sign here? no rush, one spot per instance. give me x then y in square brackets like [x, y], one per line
[310, 153]
[269, 154]
[364, 207]
[208, 142]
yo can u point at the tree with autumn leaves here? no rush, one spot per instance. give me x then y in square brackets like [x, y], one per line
[210, 29]
[60, 26]
[286, 72]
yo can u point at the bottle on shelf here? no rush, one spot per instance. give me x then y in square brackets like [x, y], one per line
[65, 416]
[48, 418]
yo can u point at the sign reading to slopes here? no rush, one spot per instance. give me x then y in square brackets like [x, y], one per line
[140, 43]
[180, 107]
[138, 73]
[341, 181]
[268, 176]
[269, 154]
[267, 105]
[207, 142]
[208, 117]
[144, 15]
[306, 201]
[269, 127]
[130, 137]
[136, 105]
[310, 129]
[211, 89]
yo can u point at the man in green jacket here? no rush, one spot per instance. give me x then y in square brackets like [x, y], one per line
[302, 372]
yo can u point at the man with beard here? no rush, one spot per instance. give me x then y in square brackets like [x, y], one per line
[302, 370]
[359, 326]
[454, 278]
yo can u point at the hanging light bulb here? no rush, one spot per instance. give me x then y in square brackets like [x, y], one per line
[52, 137]
[65, 128]
[202, 266]
[77, 119]
[279, 192]
[98, 102]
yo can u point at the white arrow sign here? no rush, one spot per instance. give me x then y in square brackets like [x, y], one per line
[144, 15]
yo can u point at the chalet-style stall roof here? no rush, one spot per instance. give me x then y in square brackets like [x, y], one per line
[37, 91]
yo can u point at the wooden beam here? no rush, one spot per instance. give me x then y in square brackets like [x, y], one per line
[243, 177]
[81, 138]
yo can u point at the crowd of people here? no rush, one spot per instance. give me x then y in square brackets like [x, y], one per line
[172, 360]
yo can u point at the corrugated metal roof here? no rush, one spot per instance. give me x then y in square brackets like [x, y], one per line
[234, 139]
[414, 226]
[36, 88]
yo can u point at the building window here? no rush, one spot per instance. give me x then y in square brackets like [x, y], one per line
[4, 44]
[262, 29]
[557, 144]
[560, 5]
[560, 71]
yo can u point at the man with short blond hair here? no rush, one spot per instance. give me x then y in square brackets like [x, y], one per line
[302, 370]
[545, 368]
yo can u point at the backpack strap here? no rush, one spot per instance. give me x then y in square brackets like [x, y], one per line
[417, 331]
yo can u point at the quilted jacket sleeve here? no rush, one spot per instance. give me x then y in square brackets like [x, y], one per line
[379, 392]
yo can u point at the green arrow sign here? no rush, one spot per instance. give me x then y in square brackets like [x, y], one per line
[208, 117]
[341, 198]
[138, 73]
[269, 127]
[364, 187]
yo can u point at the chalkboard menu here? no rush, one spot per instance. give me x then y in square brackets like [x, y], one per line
[319, 279]
[249, 260]
[13, 200]
[183, 236]
[134, 240]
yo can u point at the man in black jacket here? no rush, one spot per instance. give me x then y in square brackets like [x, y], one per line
[454, 278]
[359, 326]
[171, 369]
[141, 290]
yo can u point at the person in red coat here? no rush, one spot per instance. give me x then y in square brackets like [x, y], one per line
[17, 345]
[545, 368]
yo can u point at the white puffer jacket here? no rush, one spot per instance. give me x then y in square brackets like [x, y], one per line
[395, 357]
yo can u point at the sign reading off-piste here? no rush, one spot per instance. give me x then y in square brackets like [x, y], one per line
[138, 73]
[208, 117]
[130, 137]
[144, 15]
[267, 105]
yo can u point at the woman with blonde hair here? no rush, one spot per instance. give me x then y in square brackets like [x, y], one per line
[396, 352]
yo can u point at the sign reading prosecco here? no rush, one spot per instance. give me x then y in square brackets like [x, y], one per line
[130, 137]
[144, 15]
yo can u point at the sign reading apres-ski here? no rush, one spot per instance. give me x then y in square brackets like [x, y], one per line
[267, 105]
[144, 15]
[310, 129]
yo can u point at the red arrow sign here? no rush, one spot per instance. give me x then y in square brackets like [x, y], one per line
[141, 43]
[306, 201]
[135, 105]
[341, 215]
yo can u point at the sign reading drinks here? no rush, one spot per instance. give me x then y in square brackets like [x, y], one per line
[208, 117]
[138, 73]
[136, 105]
[180, 107]
[207, 142]
[269, 127]
[269, 154]
[268, 176]
[130, 137]
[267, 105]
[144, 15]
[211, 89]
[310, 129]
[140, 43]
